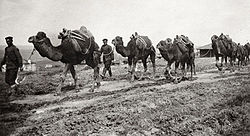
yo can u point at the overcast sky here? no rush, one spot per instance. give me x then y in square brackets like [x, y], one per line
[158, 19]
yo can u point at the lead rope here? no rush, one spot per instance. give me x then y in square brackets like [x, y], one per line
[109, 52]
[204, 54]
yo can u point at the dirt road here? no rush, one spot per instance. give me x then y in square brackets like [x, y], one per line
[211, 104]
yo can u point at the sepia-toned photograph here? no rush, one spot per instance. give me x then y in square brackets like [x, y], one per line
[124, 68]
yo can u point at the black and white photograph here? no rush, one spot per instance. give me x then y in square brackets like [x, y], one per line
[124, 67]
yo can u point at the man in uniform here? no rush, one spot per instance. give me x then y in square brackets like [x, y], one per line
[13, 60]
[108, 56]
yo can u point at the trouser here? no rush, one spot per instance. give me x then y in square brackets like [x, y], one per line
[10, 76]
[107, 66]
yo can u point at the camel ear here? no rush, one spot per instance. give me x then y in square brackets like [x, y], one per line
[60, 36]
[113, 42]
[41, 35]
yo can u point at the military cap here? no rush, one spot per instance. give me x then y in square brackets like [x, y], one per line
[105, 39]
[9, 38]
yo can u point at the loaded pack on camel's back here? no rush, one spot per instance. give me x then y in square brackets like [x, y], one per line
[76, 46]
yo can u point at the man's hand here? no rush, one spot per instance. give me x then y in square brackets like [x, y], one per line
[1, 69]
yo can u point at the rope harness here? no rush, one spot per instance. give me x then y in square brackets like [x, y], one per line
[108, 53]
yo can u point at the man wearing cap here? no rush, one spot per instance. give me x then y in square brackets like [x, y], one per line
[13, 60]
[108, 56]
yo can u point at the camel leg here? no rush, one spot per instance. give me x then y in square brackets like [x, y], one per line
[62, 78]
[167, 72]
[194, 67]
[133, 69]
[152, 58]
[226, 62]
[73, 73]
[217, 63]
[175, 71]
[221, 63]
[191, 66]
[232, 65]
[96, 79]
[184, 72]
[130, 61]
[144, 62]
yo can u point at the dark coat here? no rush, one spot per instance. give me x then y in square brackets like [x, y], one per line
[12, 58]
[107, 52]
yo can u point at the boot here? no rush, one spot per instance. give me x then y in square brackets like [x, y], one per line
[110, 73]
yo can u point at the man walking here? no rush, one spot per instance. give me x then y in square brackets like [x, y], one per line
[13, 60]
[108, 56]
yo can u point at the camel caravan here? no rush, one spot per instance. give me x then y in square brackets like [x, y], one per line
[79, 45]
[224, 47]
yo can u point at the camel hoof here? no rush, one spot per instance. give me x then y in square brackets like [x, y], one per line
[176, 81]
[220, 69]
[153, 78]
[132, 80]
[57, 94]
[98, 85]
[102, 76]
[77, 88]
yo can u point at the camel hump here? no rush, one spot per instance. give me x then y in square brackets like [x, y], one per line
[84, 31]
[143, 42]
[182, 46]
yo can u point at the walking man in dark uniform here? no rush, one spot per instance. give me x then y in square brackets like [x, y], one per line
[108, 56]
[13, 60]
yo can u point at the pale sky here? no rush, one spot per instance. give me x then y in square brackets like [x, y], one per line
[158, 19]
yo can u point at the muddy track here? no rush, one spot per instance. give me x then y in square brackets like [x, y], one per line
[211, 104]
[148, 108]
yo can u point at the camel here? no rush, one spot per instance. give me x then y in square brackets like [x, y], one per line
[241, 55]
[247, 47]
[138, 48]
[178, 52]
[223, 47]
[74, 48]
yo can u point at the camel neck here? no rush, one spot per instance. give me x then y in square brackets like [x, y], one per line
[49, 51]
[122, 50]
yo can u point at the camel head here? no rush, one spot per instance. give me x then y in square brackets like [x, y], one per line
[39, 38]
[247, 46]
[216, 43]
[235, 49]
[214, 37]
[40, 42]
[162, 45]
[43, 45]
[117, 41]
